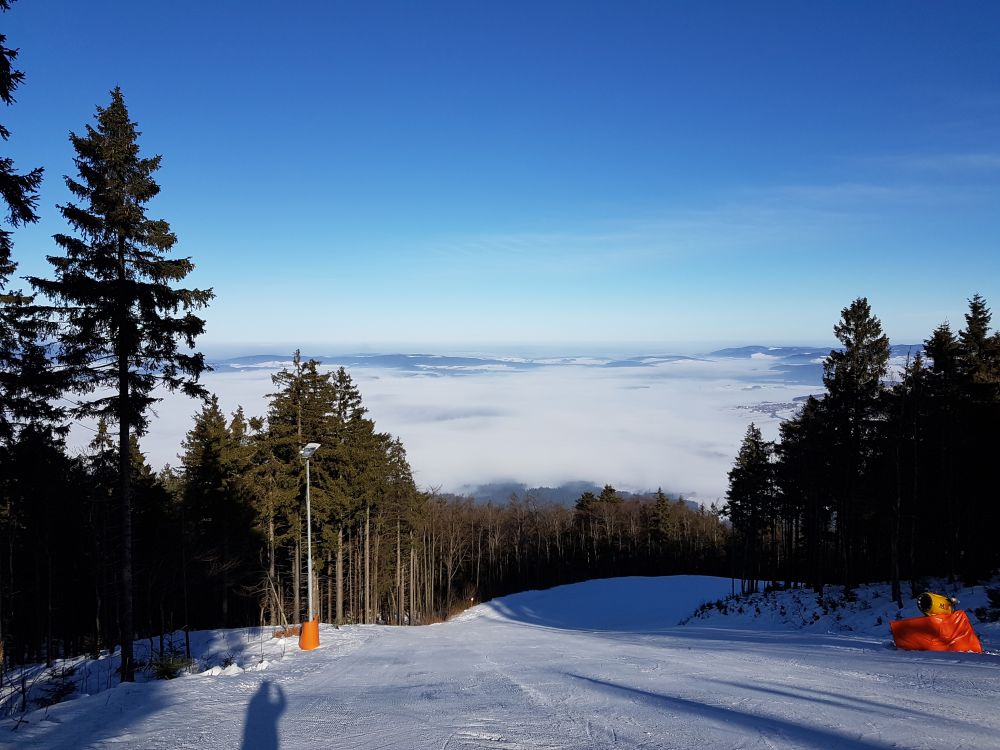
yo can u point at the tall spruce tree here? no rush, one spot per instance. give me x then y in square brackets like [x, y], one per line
[300, 412]
[853, 379]
[749, 501]
[979, 407]
[804, 476]
[206, 498]
[124, 319]
[217, 517]
[979, 350]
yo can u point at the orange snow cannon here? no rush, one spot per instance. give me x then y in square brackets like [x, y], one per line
[942, 628]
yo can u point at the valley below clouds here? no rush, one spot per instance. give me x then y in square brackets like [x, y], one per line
[638, 423]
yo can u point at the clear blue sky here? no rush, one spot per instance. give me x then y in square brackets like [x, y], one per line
[464, 173]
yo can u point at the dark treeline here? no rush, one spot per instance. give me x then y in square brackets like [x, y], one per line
[881, 478]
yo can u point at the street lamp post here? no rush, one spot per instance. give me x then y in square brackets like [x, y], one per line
[309, 636]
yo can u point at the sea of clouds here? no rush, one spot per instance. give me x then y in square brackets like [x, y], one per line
[641, 423]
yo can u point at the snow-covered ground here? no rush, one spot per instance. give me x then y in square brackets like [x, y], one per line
[602, 664]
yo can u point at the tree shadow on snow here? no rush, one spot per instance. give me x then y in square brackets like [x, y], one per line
[841, 700]
[766, 726]
[263, 715]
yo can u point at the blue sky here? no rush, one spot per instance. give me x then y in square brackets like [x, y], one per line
[469, 174]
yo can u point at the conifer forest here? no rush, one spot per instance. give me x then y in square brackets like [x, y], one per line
[885, 476]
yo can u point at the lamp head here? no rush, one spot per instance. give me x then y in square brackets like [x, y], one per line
[308, 450]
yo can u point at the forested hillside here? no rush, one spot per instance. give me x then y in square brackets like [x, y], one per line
[220, 539]
[886, 477]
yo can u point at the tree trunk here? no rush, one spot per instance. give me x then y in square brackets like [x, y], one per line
[272, 597]
[413, 587]
[340, 575]
[225, 563]
[297, 584]
[894, 534]
[48, 608]
[367, 584]
[184, 584]
[125, 520]
[399, 578]
[329, 587]
[374, 584]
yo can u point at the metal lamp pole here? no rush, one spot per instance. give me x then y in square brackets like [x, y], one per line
[307, 453]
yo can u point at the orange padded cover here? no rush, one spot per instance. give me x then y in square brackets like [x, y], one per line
[951, 632]
[309, 636]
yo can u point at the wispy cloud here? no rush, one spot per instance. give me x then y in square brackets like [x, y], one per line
[772, 216]
[767, 221]
[928, 172]
[840, 196]
[977, 162]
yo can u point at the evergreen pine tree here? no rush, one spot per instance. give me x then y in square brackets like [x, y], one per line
[979, 411]
[975, 336]
[944, 351]
[978, 350]
[205, 498]
[300, 412]
[124, 320]
[609, 495]
[853, 379]
[804, 477]
[216, 508]
[663, 519]
[854, 374]
[749, 500]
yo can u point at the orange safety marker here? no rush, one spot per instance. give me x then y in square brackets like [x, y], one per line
[948, 632]
[309, 637]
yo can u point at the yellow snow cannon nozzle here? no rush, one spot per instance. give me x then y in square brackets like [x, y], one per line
[936, 604]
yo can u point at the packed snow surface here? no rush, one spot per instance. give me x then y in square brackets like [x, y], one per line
[601, 664]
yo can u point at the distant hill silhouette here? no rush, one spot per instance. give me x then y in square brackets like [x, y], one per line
[801, 354]
[565, 494]
[800, 365]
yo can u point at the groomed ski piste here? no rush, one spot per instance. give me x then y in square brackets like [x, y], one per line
[616, 663]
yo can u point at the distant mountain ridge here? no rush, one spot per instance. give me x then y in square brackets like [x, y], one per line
[800, 365]
[445, 363]
[803, 365]
[564, 494]
[802, 354]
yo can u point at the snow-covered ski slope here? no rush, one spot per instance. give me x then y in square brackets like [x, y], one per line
[601, 664]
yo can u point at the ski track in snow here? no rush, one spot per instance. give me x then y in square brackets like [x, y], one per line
[594, 666]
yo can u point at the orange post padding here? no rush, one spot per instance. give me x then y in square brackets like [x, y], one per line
[309, 637]
[951, 632]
